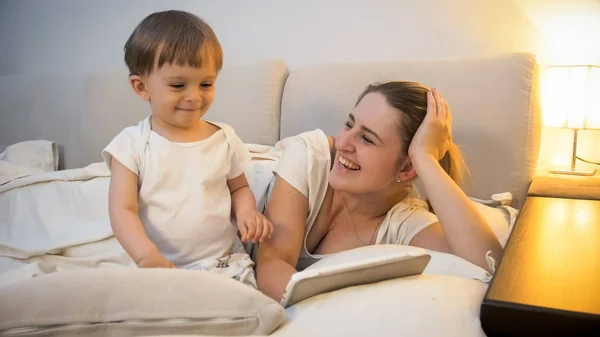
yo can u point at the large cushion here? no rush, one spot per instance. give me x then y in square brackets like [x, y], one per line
[423, 305]
[134, 302]
[494, 102]
[448, 293]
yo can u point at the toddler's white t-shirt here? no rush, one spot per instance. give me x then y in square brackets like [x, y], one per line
[184, 202]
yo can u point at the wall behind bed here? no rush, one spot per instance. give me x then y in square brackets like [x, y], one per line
[73, 36]
[70, 37]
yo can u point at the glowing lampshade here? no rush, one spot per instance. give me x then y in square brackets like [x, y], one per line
[572, 100]
[572, 97]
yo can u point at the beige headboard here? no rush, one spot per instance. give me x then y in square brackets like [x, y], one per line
[246, 97]
[43, 107]
[494, 102]
[83, 113]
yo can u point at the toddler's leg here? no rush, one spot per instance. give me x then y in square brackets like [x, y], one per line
[237, 266]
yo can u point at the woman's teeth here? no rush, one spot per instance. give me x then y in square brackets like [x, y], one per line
[348, 164]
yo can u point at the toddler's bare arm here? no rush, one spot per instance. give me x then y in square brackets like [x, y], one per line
[251, 223]
[125, 222]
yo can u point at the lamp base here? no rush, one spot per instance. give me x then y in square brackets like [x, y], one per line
[573, 171]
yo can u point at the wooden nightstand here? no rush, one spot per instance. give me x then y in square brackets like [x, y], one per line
[548, 281]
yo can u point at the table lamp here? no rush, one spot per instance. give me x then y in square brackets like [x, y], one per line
[572, 100]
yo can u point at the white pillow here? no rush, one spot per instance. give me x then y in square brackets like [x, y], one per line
[452, 265]
[41, 154]
[498, 214]
[132, 302]
[421, 305]
[259, 174]
[448, 293]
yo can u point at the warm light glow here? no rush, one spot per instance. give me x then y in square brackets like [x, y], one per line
[583, 216]
[571, 97]
[558, 212]
[559, 160]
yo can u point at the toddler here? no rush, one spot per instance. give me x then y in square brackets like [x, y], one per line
[176, 178]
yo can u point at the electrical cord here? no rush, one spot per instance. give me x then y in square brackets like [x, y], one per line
[587, 161]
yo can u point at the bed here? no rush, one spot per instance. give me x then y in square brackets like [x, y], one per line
[63, 273]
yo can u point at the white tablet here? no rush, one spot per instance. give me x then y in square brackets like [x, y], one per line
[355, 267]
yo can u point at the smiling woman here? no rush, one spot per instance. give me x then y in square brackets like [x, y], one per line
[335, 194]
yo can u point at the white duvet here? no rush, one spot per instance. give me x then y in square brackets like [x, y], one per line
[55, 221]
[59, 220]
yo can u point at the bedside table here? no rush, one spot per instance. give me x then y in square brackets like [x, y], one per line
[548, 281]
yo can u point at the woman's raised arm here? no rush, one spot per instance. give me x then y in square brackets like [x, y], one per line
[462, 230]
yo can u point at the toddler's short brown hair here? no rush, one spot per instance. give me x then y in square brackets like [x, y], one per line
[171, 37]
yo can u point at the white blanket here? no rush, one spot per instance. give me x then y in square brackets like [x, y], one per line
[43, 213]
[57, 220]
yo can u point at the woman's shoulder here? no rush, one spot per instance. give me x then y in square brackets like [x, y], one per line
[413, 205]
[313, 142]
[331, 142]
[405, 219]
[409, 207]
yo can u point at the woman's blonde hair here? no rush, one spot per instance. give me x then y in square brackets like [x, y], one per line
[410, 99]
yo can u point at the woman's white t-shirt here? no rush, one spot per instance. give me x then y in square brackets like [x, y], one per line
[305, 164]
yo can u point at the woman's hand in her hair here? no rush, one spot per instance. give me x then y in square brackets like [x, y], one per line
[433, 137]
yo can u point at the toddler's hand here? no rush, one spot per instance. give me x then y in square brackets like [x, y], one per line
[254, 226]
[155, 260]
